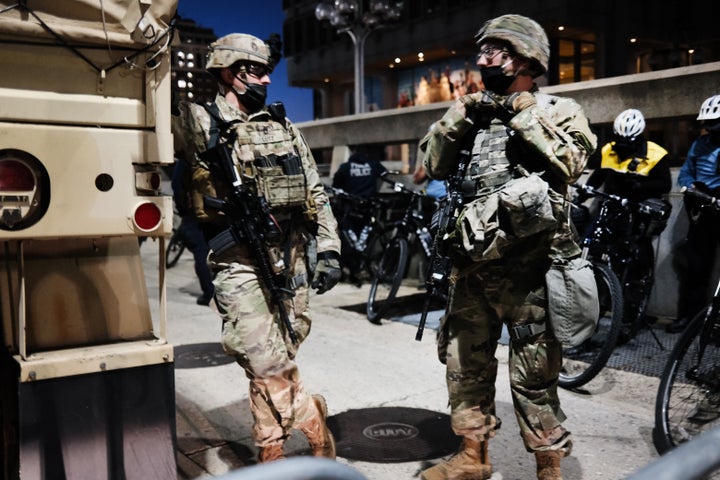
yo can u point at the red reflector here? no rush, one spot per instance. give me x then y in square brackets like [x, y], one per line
[15, 176]
[147, 216]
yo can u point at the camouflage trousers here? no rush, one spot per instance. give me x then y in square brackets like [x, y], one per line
[481, 301]
[253, 333]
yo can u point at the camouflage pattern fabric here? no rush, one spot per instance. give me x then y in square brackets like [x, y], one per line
[550, 138]
[252, 332]
[526, 36]
[191, 130]
[510, 291]
[236, 47]
[255, 336]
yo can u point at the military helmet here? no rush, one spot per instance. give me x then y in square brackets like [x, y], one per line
[526, 36]
[710, 109]
[629, 124]
[235, 47]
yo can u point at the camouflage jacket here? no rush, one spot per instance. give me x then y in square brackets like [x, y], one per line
[551, 137]
[191, 130]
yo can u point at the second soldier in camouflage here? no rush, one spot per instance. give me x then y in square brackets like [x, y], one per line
[538, 144]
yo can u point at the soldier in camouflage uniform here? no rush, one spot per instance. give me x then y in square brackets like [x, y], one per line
[264, 143]
[515, 135]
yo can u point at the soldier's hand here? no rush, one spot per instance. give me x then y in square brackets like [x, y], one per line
[519, 101]
[327, 272]
[478, 101]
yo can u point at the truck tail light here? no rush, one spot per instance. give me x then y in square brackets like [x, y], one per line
[147, 217]
[24, 190]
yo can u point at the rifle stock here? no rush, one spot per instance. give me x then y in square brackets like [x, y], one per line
[440, 265]
[245, 211]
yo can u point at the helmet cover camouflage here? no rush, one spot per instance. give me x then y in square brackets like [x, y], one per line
[229, 49]
[526, 36]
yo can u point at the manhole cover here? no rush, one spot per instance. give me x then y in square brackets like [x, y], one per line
[199, 355]
[393, 434]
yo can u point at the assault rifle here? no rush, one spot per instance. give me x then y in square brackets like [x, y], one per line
[251, 223]
[437, 280]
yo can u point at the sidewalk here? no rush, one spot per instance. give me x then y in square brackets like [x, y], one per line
[358, 365]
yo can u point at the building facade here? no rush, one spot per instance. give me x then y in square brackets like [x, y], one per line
[428, 55]
[190, 80]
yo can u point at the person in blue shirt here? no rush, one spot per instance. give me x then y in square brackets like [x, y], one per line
[701, 171]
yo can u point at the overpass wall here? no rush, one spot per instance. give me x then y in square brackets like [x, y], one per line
[666, 94]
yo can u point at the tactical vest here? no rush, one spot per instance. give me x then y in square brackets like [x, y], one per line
[265, 155]
[493, 158]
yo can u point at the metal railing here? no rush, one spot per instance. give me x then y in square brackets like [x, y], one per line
[296, 468]
[690, 461]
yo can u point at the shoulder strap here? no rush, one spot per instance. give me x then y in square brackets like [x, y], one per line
[217, 124]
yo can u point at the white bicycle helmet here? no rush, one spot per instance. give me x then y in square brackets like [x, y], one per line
[710, 109]
[629, 124]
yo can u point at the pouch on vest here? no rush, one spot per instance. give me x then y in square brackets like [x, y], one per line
[479, 229]
[526, 200]
[281, 180]
[573, 308]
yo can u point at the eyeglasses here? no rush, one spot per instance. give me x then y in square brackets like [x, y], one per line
[490, 52]
[257, 70]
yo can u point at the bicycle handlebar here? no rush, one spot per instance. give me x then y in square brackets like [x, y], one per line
[592, 191]
[641, 207]
[706, 199]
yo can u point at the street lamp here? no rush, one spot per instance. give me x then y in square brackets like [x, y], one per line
[350, 16]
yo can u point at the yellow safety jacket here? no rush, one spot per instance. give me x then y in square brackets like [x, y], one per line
[611, 160]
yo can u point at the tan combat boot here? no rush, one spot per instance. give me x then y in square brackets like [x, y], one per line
[548, 465]
[471, 462]
[270, 453]
[319, 437]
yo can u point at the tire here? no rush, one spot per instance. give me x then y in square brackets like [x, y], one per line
[375, 249]
[582, 363]
[636, 294]
[688, 399]
[175, 249]
[387, 279]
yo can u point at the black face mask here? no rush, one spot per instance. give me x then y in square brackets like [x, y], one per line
[254, 96]
[625, 149]
[495, 79]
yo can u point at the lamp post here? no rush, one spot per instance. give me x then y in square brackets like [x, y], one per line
[351, 17]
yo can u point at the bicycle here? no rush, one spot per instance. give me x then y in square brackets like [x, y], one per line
[410, 233]
[361, 251]
[624, 274]
[175, 247]
[688, 398]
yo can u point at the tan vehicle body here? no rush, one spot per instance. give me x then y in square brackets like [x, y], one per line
[86, 372]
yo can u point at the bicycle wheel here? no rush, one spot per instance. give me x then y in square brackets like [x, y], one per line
[387, 278]
[582, 363]
[175, 249]
[375, 249]
[688, 399]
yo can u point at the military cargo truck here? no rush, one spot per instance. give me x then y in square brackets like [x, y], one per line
[86, 372]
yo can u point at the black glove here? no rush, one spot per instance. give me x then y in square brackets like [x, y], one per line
[327, 272]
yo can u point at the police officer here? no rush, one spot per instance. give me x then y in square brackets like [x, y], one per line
[635, 168]
[512, 132]
[275, 162]
[631, 166]
[701, 170]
